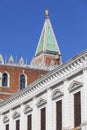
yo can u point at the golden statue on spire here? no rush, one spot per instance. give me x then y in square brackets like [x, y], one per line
[46, 12]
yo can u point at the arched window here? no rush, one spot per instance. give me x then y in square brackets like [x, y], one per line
[22, 81]
[4, 79]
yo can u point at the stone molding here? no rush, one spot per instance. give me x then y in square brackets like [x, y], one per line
[5, 119]
[84, 124]
[41, 102]
[15, 115]
[27, 109]
[56, 94]
[75, 85]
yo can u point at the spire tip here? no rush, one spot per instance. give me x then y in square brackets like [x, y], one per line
[46, 13]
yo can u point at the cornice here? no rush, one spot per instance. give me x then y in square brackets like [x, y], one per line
[5, 92]
[23, 67]
[73, 66]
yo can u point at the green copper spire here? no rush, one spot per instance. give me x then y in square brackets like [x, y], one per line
[47, 41]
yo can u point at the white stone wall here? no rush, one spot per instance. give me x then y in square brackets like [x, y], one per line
[67, 112]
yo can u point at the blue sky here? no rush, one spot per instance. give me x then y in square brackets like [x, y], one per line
[21, 22]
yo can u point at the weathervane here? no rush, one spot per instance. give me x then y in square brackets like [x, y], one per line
[46, 13]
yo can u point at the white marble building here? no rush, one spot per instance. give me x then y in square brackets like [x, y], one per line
[56, 101]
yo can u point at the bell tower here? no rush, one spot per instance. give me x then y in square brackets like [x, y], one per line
[47, 54]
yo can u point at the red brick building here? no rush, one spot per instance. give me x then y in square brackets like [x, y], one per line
[14, 78]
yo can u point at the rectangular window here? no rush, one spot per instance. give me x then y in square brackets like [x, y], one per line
[43, 119]
[7, 127]
[17, 124]
[77, 109]
[59, 115]
[29, 122]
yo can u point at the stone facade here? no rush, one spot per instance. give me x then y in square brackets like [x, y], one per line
[59, 85]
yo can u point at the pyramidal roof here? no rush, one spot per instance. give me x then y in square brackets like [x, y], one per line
[47, 41]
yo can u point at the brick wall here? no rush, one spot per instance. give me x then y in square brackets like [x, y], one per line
[14, 73]
[47, 59]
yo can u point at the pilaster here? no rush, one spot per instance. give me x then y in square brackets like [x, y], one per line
[84, 101]
[23, 120]
[1, 122]
[49, 112]
[66, 107]
[11, 121]
[35, 116]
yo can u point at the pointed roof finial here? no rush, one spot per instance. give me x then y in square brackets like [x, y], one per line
[46, 13]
